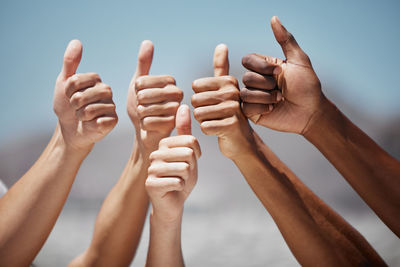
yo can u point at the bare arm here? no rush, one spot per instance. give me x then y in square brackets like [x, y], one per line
[304, 109]
[300, 216]
[152, 105]
[121, 218]
[29, 210]
[371, 171]
[172, 176]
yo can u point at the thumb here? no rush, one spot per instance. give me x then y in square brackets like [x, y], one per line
[221, 60]
[72, 58]
[145, 58]
[182, 121]
[290, 47]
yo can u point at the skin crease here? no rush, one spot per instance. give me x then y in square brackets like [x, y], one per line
[372, 172]
[172, 177]
[152, 104]
[299, 214]
[29, 210]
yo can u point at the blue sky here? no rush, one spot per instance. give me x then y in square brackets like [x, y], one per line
[353, 46]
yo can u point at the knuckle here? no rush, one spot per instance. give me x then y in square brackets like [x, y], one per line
[139, 82]
[140, 110]
[95, 77]
[152, 169]
[170, 80]
[248, 77]
[77, 99]
[232, 93]
[140, 96]
[231, 80]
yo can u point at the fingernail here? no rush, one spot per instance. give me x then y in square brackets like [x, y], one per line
[278, 20]
[270, 108]
[278, 96]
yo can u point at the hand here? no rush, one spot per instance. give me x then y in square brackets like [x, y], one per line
[152, 101]
[217, 107]
[83, 104]
[296, 80]
[173, 169]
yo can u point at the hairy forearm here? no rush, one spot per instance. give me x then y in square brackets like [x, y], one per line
[279, 196]
[348, 241]
[165, 242]
[121, 218]
[31, 207]
[371, 171]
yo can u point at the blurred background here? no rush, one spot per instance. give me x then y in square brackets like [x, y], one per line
[353, 46]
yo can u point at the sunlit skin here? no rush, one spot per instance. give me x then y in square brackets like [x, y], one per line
[316, 235]
[304, 109]
[172, 177]
[29, 210]
[151, 105]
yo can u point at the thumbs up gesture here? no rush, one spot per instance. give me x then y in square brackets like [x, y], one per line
[217, 107]
[299, 92]
[83, 104]
[152, 102]
[173, 169]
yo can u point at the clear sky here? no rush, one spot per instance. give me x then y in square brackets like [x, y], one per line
[354, 47]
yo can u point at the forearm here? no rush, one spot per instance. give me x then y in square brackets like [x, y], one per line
[121, 218]
[348, 241]
[279, 196]
[31, 207]
[165, 242]
[372, 172]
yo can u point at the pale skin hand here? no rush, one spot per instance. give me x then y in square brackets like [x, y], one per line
[83, 104]
[29, 210]
[152, 102]
[373, 173]
[217, 107]
[299, 214]
[152, 105]
[172, 176]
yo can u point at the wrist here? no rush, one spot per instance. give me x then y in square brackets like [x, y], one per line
[323, 122]
[167, 219]
[58, 142]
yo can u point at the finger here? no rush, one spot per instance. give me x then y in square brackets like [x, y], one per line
[102, 124]
[72, 58]
[160, 123]
[250, 95]
[159, 95]
[181, 141]
[221, 60]
[80, 81]
[256, 80]
[251, 110]
[175, 154]
[215, 97]
[290, 47]
[216, 112]
[164, 109]
[218, 127]
[169, 169]
[164, 185]
[261, 64]
[92, 111]
[99, 92]
[213, 83]
[182, 121]
[145, 58]
[159, 81]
